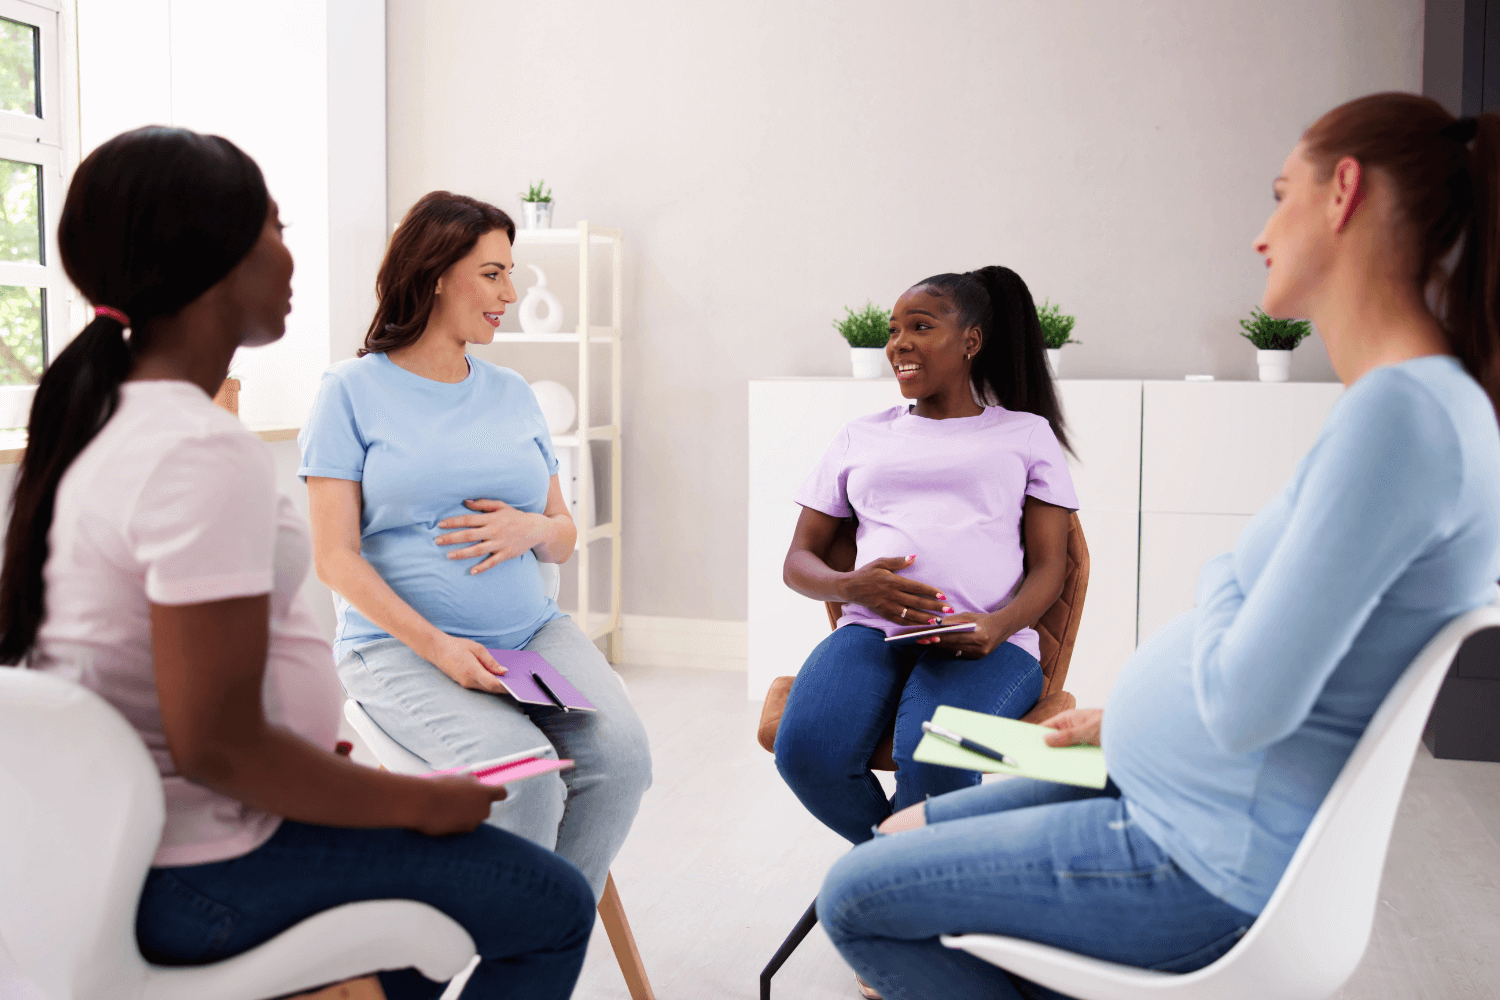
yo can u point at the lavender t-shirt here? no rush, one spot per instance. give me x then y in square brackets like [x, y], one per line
[948, 491]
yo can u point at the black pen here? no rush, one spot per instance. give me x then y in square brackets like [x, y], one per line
[951, 737]
[548, 691]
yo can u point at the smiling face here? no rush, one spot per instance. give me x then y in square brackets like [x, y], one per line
[1298, 239]
[928, 344]
[260, 285]
[473, 293]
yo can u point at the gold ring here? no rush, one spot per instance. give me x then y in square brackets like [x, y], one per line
[903, 612]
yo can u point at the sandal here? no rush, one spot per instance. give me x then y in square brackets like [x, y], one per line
[865, 989]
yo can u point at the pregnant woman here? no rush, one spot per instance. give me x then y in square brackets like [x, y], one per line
[433, 493]
[962, 502]
[1228, 727]
[150, 558]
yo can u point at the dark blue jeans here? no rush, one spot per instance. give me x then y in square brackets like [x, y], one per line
[844, 699]
[1051, 863]
[529, 911]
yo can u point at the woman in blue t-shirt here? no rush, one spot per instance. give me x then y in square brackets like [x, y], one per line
[433, 493]
[1227, 728]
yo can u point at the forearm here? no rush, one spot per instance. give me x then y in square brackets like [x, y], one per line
[271, 769]
[811, 577]
[352, 576]
[560, 535]
[1039, 591]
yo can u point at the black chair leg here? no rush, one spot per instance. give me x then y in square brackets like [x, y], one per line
[804, 926]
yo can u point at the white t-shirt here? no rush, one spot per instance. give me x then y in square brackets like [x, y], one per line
[174, 502]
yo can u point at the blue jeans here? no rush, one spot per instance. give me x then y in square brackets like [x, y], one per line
[842, 705]
[584, 814]
[528, 911]
[1051, 863]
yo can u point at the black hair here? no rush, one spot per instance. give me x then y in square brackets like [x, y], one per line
[154, 218]
[1011, 367]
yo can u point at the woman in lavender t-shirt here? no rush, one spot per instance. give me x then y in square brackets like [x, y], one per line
[962, 511]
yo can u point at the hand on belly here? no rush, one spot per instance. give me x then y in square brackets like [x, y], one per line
[497, 531]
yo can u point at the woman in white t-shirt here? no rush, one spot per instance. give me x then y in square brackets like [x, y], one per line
[150, 558]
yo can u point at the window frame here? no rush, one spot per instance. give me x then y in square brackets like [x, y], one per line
[51, 142]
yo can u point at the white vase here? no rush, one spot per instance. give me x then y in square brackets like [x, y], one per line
[869, 362]
[1275, 366]
[538, 296]
[1054, 361]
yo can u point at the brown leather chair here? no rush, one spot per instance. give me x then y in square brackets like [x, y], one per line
[1057, 629]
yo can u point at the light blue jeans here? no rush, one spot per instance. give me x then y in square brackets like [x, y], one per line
[583, 814]
[1051, 863]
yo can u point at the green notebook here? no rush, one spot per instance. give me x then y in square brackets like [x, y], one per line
[1022, 741]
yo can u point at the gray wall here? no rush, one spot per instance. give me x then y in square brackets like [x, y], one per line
[773, 162]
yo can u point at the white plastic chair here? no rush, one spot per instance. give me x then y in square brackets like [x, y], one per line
[82, 807]
[1313, 932]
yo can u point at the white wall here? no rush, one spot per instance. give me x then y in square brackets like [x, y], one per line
[772, 162]
[300, 86]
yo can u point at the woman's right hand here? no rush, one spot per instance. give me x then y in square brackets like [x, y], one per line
[459, 804]
[877, 586]
[1075, 726]
[467, 662]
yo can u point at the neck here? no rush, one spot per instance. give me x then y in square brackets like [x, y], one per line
[437, 354]
[957, 401]
[192, 345]
[1370, 317]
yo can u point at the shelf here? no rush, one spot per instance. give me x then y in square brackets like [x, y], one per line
[598, 235]
[600, 623]
[606, 432]
[597, 335]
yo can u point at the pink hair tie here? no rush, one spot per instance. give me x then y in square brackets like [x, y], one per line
[113, 314]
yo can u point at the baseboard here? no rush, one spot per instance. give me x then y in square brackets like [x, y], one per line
[700, 643]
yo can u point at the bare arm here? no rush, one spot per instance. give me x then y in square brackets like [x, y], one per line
[876, 585]
[210, 663]
[333, 512]
[1044, 527]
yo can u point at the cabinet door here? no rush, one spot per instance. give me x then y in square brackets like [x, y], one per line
[792, 423]
[1103, 419]
[1226, 447]
[1174, 548]
[1106, 634]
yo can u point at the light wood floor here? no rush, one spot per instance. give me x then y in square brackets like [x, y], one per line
[722, 861]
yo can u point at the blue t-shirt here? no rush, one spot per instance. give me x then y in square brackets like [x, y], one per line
[1228, 727]
[419, 448]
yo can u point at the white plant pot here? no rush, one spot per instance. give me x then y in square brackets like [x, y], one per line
[1275, 366]
[536, 215]
[869, 362]
[1054, 361]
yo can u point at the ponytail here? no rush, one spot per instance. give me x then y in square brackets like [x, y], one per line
[1448, 196]
[153, 219]
[1011, 367]
[75, 399]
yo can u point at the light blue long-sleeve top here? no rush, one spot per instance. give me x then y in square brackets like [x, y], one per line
[1228, 727]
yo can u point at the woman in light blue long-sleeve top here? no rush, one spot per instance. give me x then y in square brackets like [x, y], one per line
[1228, 726]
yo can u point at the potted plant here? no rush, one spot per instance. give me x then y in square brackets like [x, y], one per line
[866, 331]
[1274, 340]
[537, 207]
[1056, 331]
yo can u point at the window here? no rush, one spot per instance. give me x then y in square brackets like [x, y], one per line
[37, 140]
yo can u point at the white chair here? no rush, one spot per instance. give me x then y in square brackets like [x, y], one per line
[1313, 932]
[394, 757]
[82, 807]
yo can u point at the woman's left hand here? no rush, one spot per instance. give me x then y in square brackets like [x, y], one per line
[501, 532]
[983, 641]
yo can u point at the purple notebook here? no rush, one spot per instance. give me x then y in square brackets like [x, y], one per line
[531, 680]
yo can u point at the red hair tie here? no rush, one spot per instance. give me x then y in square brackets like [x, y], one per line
[113, 314]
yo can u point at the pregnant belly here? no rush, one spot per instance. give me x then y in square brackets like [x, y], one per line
[503, 598]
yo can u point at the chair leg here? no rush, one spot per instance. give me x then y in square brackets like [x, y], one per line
[612, 912]
[803, 928]
[365, 988]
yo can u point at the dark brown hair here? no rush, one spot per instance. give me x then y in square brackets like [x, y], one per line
[1446, 192]
[437, 232]
[153, 219]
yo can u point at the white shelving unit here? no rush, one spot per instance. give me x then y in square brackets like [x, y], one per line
[598, 624]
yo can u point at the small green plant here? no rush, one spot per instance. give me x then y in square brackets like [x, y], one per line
[1055, 326]
[1269, 334]
[870, 327]
[536, 193]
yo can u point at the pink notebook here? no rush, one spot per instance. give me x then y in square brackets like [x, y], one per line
[507, 772]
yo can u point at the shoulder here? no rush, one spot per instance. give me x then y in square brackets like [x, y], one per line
[176, 426]
[877, 421]
[354, 373]
[1397, 403]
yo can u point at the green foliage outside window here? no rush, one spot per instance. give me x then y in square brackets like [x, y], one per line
[870, 327]
[17, 67]
[20, 335]
[20, 213]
